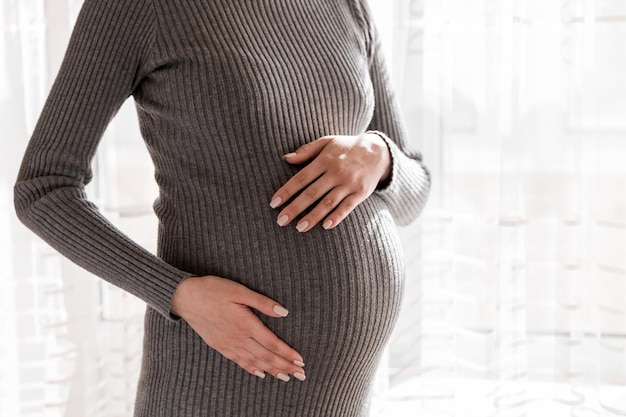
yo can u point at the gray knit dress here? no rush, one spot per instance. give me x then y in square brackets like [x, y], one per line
[223, 89]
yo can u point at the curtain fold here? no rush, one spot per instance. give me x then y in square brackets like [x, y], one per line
[517, 304]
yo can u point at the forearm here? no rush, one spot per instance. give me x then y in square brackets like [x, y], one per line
[71, 224]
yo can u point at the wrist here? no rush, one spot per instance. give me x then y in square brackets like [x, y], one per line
[386, 158]
[180, 295]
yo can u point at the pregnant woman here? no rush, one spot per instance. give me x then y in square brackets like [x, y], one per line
[283, 169]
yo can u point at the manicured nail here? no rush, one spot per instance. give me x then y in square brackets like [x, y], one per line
[300, 376]
[327, 224]
[282, 220]
[289, 155]
[260, 374]
[283, 377]
[275, 202]
[280, 310]
[302, 225]
[298, 363]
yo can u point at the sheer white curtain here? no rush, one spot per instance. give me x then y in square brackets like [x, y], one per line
[516, 291]
[516, 301]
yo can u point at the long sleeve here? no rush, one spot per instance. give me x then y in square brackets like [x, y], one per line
[407, 189]
[108, 54]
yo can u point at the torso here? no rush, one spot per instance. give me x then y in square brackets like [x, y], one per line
[248, 81]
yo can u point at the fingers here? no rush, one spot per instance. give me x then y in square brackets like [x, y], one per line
[275, 364]
[265, 351]
[304, 177]
[298, 182]
[321, 212]
[344, 171]
[336, 196]
[254, 347]
[258, 360]
[307, 197]
[260, 302]
[307, 151]
[266, 338]
[219, 311]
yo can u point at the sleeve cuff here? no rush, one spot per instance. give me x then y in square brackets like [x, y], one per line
[407, 188]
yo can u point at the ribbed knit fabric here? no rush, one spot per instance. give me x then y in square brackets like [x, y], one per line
[223, 89]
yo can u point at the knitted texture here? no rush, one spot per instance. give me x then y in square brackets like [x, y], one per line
[223, 89]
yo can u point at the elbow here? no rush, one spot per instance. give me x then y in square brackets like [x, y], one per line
[24, 199]
[28, 192]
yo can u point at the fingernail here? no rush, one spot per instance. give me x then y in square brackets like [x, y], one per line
[282, 220]
[289, 155]
[280, 310]
[298, 363]
[327, 224]
[302, 225]
[260, 374]
[300, 376]
[275, 202]
[283, 377]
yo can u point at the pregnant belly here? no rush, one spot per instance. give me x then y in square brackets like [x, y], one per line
[342, 287]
